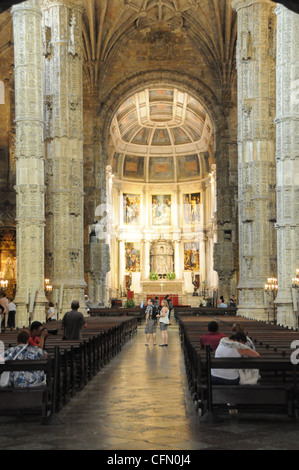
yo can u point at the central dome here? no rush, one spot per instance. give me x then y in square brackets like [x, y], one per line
[161, 129]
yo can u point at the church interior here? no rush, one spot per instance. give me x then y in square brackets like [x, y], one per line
[150, 147]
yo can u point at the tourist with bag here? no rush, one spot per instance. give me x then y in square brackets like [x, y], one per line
[150, 322]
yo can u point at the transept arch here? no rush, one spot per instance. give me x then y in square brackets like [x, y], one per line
[226, 207]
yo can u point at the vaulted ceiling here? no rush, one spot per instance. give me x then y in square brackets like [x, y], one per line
[210, 24]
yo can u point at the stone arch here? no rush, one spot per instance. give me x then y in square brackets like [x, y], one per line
[225, 145]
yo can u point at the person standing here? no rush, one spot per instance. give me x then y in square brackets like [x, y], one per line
[73, 322]
[4, 303]
[51, 315]
[11, 314]
[150, 322]
[170, 305]
[164, 322]
[232, 301]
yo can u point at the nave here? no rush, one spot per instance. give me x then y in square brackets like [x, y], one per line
[140, 401]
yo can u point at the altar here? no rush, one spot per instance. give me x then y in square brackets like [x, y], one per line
[162, 286]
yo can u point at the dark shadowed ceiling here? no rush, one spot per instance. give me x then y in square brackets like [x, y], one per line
[291, 4]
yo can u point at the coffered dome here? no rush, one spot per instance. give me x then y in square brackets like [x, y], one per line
[161, 132]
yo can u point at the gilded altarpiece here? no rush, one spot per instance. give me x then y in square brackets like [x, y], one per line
[8, 260]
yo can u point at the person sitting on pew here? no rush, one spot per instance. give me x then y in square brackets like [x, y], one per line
[22, 379]
[235, 346]
[212, 337]
[239, 327]
[38, 335]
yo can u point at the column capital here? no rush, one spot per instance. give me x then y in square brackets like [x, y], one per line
[29, 5]
[72, 4]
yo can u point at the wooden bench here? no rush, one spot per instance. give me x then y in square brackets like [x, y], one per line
[73, 363]
[275, 392]
[137, 312]
[29, 399]
[278, 386]
[203, 311]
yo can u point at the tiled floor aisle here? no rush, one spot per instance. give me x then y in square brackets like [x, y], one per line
[140, 401]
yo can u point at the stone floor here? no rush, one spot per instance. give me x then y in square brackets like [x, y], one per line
[140, 401]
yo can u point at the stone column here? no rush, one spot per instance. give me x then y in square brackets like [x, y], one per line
[62, 27]
[121, 260]
[30, 186]
[256, 152]
[287, 158]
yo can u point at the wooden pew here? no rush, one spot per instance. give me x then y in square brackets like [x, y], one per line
[271, 341]
[203, 311]
[269, 394]
[28, 399]
[75, 362]
[119, 311]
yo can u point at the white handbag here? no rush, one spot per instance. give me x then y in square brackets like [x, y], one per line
[248, 376]
[5, 376]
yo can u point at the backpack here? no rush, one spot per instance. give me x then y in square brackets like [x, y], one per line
[170, 307]
[155, 312]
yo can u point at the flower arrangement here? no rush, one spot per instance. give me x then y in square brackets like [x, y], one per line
[170, 276]
[153, 276]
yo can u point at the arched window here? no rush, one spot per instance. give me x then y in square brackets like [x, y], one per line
[2, 93]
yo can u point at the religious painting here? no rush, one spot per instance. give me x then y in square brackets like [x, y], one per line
[191, 208]
[191, 256]
[131, 213]
[134, 167]
[132, 256]
[161, 209]
[188, 167]
[161, 169]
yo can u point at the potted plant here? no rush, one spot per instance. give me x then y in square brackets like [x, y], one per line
[170, 276]
[153, 276]
[129, 303]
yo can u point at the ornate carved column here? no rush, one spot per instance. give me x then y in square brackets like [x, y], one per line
[62, 28]
[30, 185]
[256, 152]
[287, 159]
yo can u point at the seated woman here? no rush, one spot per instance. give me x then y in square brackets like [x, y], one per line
[235, 346]
[23, 351]
[239, 327]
